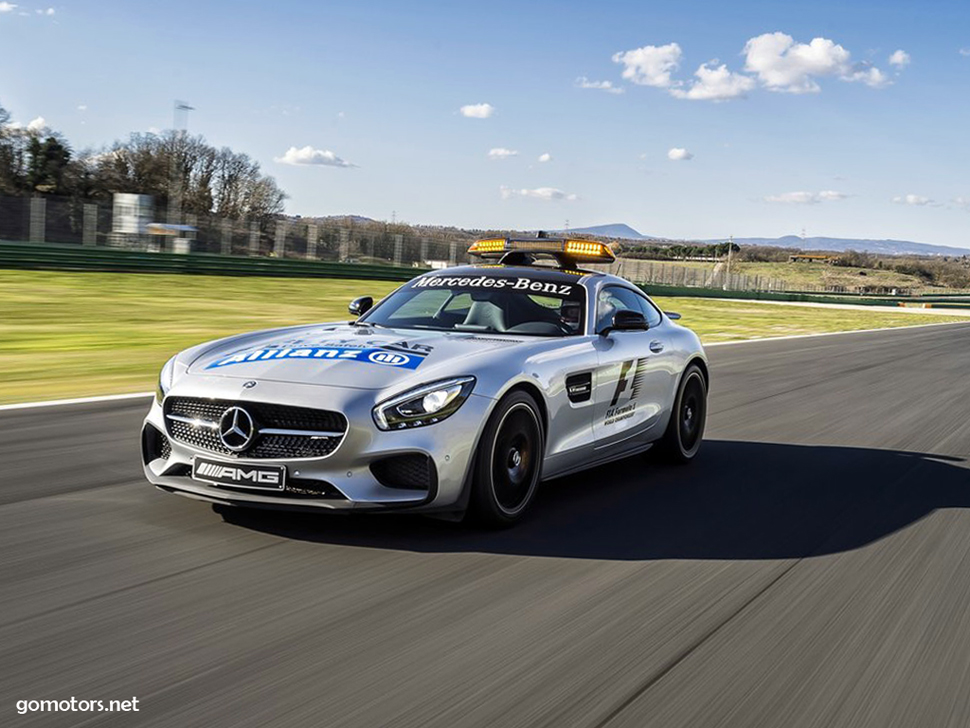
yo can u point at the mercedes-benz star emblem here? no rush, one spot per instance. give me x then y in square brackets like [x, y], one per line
[236, 429]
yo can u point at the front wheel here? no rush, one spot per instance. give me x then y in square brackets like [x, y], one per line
[508, 462]
[684, 433]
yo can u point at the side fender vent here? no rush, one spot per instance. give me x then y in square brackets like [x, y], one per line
[579, 387]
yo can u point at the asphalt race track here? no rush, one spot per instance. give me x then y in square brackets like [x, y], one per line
[812, 568]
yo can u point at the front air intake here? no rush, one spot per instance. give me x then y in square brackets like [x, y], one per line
[412, 471]
[154, 445]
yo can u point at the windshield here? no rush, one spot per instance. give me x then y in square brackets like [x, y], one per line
[485, 304]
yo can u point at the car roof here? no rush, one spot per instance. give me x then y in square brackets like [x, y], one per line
[536, 272]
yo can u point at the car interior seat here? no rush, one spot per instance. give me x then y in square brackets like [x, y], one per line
[484, 314]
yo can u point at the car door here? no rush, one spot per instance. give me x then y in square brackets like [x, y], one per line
[632, 378]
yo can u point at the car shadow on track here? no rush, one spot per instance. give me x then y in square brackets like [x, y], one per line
[738, 500]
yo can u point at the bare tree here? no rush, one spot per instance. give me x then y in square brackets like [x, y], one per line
[206, 180]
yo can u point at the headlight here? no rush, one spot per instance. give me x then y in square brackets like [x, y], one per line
[425, 405]
[165, 380]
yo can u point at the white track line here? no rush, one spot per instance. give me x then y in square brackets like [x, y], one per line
[832, 333]
[138, 395]
[79, 400]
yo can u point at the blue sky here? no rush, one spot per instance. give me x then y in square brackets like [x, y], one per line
[826, 135]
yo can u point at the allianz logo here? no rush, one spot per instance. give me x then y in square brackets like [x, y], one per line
[238, 474]
[388, 358]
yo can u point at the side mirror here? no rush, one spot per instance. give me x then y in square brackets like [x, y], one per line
[360, 306]
[626, 321]
[672, 316]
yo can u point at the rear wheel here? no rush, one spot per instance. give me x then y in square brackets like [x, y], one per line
[508, 462]
[685, 431]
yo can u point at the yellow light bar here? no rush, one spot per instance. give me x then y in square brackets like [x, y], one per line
[487, 246]
[591, 250]
[588, 248]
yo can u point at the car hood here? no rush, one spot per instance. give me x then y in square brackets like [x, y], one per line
[345, 355]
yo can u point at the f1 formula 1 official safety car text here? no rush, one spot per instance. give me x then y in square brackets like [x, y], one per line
[457, 393]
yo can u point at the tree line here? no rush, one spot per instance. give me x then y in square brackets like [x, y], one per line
[678, 251]
[173, 167]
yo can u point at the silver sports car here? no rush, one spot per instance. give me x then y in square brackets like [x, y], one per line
[457, 393]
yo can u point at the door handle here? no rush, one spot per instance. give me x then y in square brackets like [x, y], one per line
[656, 346]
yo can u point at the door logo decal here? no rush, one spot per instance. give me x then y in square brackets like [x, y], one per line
[627, 389]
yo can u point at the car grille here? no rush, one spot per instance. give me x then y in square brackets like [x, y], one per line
[282, 431]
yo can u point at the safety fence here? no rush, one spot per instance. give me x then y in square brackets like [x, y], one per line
[29, 256]
[346, 240]
[78, 235]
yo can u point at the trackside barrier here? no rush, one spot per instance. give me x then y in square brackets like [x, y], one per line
[653, 289]
[48, 256]
[26, 256]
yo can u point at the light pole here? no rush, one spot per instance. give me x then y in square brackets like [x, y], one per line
[180, 115]
[180, 120]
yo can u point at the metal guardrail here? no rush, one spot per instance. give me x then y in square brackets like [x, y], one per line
[47, 256]
[854, 299]
[654, 289]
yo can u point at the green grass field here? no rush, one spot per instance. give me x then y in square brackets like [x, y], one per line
[79, 334]
[806, 276]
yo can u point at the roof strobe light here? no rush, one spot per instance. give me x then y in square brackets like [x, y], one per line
[591, 251]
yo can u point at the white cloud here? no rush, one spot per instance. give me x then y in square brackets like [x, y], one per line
[867, 74]
[477, 111]
[781, 64]
[900, 59]
[36, 125]
[7, 7]
[679, 154]
[49, 11]
[806, 198]
[82, 107]
[308, 156]
[715, 84]
[501, 153]
[964, 51]
[583, 82]
[650, 65]
[547, 194]
[915, 200]
[545, 157]
[963, 202]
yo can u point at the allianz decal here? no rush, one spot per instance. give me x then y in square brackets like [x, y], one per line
[380, 356]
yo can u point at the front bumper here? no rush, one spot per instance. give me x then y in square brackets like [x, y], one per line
[345, 477]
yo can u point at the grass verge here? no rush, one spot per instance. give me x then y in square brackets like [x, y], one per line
[79, 334]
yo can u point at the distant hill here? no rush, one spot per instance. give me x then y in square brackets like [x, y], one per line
[625, 232]
[884, 247]
[613, 230]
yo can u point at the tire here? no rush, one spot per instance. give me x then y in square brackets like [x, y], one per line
[508, 463]
[685, 431]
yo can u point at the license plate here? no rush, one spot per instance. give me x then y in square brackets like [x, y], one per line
[239, 475]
